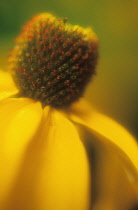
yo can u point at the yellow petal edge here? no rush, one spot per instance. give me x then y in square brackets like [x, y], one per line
[7, 86]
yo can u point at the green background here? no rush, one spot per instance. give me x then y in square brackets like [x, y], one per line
[114, 90]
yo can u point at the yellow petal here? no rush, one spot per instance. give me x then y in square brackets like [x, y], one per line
[113, 185]
[55, 171]
[19, 120]
[116, 161]
[66, 167]
[7, 86]
[104, 126]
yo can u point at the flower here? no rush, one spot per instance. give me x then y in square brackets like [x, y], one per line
[58, 153]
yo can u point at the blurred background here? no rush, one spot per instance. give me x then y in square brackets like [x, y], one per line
[114, 90]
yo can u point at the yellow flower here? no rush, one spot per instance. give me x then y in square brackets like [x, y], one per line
[54, 156]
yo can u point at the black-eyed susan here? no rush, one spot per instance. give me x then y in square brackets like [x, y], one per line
[55, 153]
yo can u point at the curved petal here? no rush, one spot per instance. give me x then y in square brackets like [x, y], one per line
[55, 172]
[114, 186]
[116, 158]
[104, 126]
[7, 86]
[19, 120]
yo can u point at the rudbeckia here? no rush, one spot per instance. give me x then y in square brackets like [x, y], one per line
[56, 152]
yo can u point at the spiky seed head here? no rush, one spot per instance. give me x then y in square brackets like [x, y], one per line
[53, 61]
